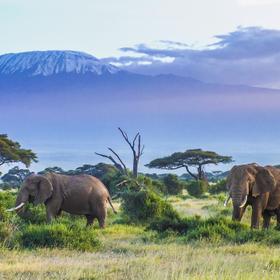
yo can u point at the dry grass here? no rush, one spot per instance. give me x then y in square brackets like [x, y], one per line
[145, 261]
[128, 252]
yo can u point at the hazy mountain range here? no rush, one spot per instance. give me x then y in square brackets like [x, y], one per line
[65, 105]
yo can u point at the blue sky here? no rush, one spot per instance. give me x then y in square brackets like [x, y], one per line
[101, 27]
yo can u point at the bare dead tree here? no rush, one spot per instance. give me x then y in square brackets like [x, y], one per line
[137, 150]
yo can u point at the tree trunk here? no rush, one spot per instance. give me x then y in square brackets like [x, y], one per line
[135, 167]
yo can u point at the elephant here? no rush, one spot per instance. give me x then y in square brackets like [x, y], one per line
[251, 184]
[79, 194]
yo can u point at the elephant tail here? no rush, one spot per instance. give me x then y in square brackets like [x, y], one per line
[110, 202]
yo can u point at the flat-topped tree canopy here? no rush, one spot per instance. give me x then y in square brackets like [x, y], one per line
[189, 158]
[11, 152]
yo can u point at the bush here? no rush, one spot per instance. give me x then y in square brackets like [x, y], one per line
[145, 205]
[7, 199]
[218, 187]
[215, 230]
[197, 188]
[59, 236]
[173, 184]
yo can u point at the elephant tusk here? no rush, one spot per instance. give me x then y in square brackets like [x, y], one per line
[16, 208]
[244, 202]
[226, 201]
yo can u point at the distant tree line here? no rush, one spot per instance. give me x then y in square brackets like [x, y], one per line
[115, 176]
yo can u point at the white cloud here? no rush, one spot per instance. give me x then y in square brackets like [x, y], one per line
[257, 2]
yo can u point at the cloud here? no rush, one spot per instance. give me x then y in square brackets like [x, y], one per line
[248, 55]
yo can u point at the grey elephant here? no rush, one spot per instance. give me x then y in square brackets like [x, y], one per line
[258, 186]
[80, 195]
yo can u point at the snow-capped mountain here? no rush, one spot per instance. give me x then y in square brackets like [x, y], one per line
[48, 63]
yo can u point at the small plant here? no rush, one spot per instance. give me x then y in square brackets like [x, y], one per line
[197, 188]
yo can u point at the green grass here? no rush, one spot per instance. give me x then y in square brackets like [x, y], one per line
[210, 248]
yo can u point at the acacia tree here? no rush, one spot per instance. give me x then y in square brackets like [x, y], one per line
[190, 158]
[137, 151]
[55, 169]
[15, 176]
[11, 152]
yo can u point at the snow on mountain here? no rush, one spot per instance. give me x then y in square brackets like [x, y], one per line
[47, 63]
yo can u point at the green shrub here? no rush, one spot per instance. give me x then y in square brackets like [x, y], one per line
[145, 205]
[173, 184]
[197, 188]
[7, 199]
[59, 236]
[218, 187]
[215, 230]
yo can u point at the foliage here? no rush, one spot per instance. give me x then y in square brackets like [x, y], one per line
[195, 157]
[58, 235]
[173, 184]
[145, 205]
[218, 187]
[197, 188]
[99, 170]
[11, 152]
[55, 169]
[15, 176]
[7, 199]
[215, 230]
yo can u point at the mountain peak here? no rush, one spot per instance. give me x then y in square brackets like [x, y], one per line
[47, 63]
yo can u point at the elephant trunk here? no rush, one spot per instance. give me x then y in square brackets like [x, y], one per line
[237, 213]
[21, 202]
[239, 199]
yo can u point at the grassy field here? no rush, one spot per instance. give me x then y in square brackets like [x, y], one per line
[131, 252]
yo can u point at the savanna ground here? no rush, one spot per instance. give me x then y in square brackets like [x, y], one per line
[132, 252]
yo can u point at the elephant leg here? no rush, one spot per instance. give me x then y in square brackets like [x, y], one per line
[59, 213]
[278, 217]
[50, 216]
[238, 213]
[266, 219]
[90, 220]
[52, 209]
[256, 213]
[102, 213]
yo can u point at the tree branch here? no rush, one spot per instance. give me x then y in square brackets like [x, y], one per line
[120, 160]
[135, 139]
[194, 176]
[125, 136]
[117, 165]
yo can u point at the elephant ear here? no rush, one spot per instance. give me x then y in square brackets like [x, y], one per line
[229, 178]
[264, 182]
[44, 190]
